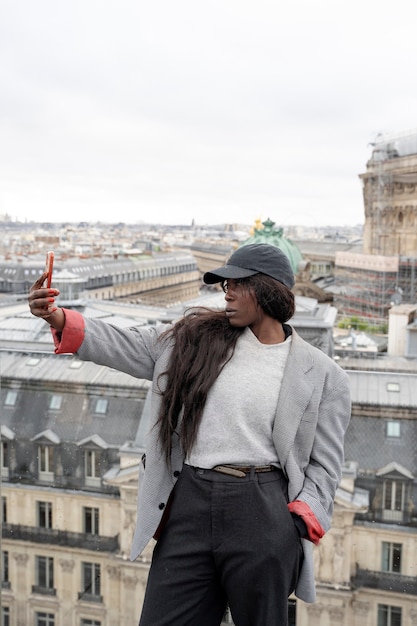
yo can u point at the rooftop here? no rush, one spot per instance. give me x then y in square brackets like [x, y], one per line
[394, 145]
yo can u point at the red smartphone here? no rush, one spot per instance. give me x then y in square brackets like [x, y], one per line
[49, 267]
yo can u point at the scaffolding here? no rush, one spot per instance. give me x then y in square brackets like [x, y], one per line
[367, 285]
[407, 279]
[366, 294]
[369, 291]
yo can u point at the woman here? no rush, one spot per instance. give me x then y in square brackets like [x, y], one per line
[244, 455]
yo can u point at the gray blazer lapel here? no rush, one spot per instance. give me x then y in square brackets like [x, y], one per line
[295, 394]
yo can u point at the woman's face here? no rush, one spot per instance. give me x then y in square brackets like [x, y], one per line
[242, 308]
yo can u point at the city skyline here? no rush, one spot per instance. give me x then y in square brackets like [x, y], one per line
[220, 113]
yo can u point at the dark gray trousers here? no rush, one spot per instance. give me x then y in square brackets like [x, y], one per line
[229, 541]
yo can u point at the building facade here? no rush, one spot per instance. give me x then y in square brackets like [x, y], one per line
[72, 439]
[66, 525]
[390, 196]
[158, 278]
[385, 272]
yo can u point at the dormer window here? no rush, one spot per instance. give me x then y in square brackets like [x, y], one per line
[46, 442]
[11, 398]
[76, 365]
[94, 448]
[395, 483]
[45, 462]
[393, 429]
[92, 467]
[33, 361]
[101, 406]
[7, 437]
[5, 459]
[393, 495]
[55, 402]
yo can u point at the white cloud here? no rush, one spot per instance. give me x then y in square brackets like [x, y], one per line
[220, 111]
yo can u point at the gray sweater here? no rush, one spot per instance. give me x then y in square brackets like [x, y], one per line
[237, 421]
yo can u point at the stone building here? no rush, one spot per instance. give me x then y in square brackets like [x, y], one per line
[66, 522]
[385, 272]
[366, 566]
[390, 196]
[158, 278]
[72, 438]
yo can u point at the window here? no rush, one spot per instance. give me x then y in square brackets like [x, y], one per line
[76, 365]
[91, 520]
[44, 619]
[55, 402]
[4, 451]
[45, 514]
[391, 557]
[5, 616]
[393, 387]
[4, 509]
[33, 361]
[5, 454]
[45, 461]
[101, 406]
[393, 494]
[90, 577]
[92, 467]
[389, 615]
[90, 622]
[11, 398]
[44, 573]
[393, 429]
[4, 569]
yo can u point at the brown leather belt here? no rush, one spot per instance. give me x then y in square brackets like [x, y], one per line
[240, 472]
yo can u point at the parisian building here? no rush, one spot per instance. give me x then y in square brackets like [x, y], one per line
[154, 278]
[384, 273]
[72, 440]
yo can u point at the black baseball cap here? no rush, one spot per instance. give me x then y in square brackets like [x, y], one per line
[254, 258]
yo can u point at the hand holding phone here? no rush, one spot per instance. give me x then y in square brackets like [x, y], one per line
[49, 267]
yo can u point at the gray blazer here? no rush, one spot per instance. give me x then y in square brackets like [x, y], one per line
[312, 415]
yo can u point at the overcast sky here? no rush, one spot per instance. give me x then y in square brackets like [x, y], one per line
[217, 111]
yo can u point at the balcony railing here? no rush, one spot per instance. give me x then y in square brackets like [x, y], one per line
[89, 597]
[46, 591]
[388, 581]
[60, 537]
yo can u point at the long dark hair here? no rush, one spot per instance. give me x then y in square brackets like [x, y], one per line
[203, 342]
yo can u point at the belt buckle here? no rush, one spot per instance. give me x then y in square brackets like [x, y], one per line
[230, 471]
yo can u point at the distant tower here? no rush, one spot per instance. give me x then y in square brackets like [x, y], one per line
[369, 284]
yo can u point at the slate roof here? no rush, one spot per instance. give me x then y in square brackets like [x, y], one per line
[367, 441]
[368, 445]
[386, 389]
[38, 377]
